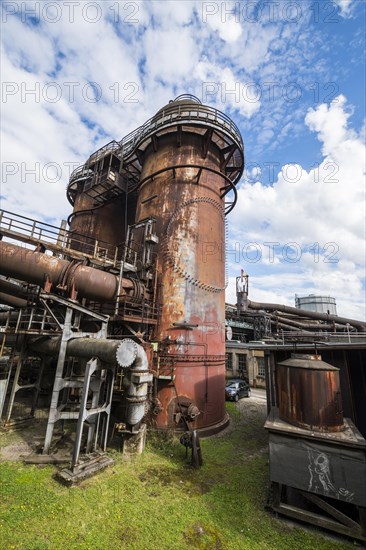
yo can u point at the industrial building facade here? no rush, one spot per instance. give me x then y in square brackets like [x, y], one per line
[247, 361]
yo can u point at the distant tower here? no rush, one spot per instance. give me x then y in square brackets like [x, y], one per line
[319, 304]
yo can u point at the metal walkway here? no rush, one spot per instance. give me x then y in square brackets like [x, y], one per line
[213, 125]
[57, 239]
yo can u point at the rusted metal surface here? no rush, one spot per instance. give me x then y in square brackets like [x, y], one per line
[114, 352]
[188, 206]
[16, 289]
[57, 239]
[180, 166]
[90, 223]
[13, 301]
[322, 468]
[41, 269]
[309, 393]
[314, 325]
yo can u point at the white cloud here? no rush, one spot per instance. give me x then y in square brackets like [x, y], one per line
[221, 88]
[170, 13]
[322, 209]
[346, 7]
[330, 122]
[154, 51]
[223, 19]
[163, 48]
[34, 51]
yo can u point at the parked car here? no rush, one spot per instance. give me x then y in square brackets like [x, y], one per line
[236, 389]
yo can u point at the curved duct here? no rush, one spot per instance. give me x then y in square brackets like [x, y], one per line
[136, 381]
[84, 211]
[124, 353]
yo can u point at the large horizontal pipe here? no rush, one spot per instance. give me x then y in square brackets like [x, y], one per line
[16, 289]
[116, 352]
[13, 301]
[284, 326]
[298, 324]
[289, 328]
[35, 267]
[305, 313]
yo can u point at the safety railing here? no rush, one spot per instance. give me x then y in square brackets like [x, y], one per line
[28, 320]
[57, 239]
[187, 112]
[192, 113]
[319, 336]
[144, 312]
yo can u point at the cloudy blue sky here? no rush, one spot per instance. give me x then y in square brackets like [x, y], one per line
[291, 74]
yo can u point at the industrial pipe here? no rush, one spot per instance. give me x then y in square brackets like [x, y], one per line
[36, 267]
[109, 351]
[304, 313]
[16, 289]
[289, 327]
[12, 301]
[298, 324]
[125, 353]
[136, 381]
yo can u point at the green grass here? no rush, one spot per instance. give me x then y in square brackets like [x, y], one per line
[155, 501]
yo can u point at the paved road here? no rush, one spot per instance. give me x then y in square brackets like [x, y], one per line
[258, 393]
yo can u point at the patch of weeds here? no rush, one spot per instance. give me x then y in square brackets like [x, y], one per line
[203, 537]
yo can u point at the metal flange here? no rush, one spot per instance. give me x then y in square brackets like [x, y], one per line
[126, 353]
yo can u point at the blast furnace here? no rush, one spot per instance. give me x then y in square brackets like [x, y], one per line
[169, 209]
[143, 258]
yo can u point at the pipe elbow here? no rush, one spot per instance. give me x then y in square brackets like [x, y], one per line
[141, 363]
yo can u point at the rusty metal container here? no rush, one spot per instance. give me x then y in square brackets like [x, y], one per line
[102, 206]
[309, 393]
[183, 182]
[97, 226]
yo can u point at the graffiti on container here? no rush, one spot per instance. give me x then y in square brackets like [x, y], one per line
[320, 477]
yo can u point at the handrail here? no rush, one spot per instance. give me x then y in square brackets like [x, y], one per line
[25, 228]
[191, 97]
[141, 131]
[189, 113]
[64, 241]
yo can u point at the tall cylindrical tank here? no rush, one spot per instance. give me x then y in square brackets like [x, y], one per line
[102, 207]
[309, 393]
[182, 187]
[102, 223]
[320, 304]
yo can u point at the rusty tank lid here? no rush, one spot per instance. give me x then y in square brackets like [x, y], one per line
[305, 361]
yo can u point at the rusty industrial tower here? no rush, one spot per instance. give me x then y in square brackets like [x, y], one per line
[116, 322]
[140, 272]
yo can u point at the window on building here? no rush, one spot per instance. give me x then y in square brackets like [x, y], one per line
[242, 363]
[261, 367]
[229, 361]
